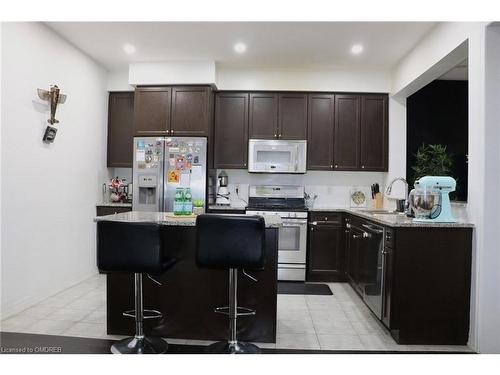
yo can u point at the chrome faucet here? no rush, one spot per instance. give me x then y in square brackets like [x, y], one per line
[389, 189]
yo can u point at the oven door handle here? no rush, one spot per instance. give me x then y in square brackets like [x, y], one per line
[293, 223]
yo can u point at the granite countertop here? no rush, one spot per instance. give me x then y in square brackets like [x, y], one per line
[230, 207]
[398, 220]
[167, 218]
[113, 204]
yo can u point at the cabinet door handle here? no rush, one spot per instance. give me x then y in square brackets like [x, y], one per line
[348, 225]
[356, 236]
[279, 136]
[275, 135]
[336, 166]
[172, 131]
[331, 166]
[168, 131]
[362, 167]
[314, 223]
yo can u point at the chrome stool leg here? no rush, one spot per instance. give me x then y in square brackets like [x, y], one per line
[139, 344]
[233, 346]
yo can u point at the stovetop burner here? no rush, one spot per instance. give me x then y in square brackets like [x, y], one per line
[276, 204]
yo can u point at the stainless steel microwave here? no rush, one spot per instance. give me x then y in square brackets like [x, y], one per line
[277, 156]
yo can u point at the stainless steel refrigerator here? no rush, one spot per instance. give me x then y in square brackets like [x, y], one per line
[162, 164]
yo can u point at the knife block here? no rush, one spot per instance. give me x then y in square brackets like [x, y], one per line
[378, 201]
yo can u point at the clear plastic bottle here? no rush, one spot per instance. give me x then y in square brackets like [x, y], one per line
[179, 201]
[188, 202]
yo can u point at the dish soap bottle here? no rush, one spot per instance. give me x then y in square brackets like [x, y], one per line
[188, 203]
[179, 201]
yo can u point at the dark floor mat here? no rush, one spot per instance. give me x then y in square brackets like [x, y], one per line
[293, 287]
[21, 343]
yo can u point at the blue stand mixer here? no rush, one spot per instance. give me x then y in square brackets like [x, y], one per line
[430, 199]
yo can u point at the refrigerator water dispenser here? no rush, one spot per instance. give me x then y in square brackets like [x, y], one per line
[147, 189]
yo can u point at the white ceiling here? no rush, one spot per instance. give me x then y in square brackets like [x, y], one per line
[270, 44]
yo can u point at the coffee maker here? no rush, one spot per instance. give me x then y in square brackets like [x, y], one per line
[223, 192]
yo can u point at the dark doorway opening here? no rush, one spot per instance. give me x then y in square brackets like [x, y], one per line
[438, 114]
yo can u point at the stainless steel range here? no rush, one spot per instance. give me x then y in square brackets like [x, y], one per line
[287, 202]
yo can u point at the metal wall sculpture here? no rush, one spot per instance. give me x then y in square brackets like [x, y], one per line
[54, 97]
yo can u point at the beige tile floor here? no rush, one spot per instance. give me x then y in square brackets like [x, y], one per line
[338, 322]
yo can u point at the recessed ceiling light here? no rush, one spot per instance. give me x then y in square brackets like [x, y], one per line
[129, 48]
[240, 47]
[356, 49]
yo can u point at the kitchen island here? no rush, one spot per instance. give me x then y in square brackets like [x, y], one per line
[189, 294]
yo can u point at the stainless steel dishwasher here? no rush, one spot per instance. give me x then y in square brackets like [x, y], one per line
[371, 266]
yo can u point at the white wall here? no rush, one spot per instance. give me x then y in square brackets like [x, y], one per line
[334, 79]
[442, 40]
[117, 80]
[248, 78]
[420, 66]
[488, 259]
[49, 192]
[174, 72]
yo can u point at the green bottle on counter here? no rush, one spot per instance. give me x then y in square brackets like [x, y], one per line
[188, 202]
[179, 201]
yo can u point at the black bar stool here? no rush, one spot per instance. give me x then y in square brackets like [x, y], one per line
[232, 242]
[135, 248]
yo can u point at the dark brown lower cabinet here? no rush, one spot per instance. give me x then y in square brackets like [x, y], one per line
[110, 210]
[426, 277]
[429, 295]
[325, 261]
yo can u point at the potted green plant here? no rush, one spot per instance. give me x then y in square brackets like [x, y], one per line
[432, 160]
[198, 206]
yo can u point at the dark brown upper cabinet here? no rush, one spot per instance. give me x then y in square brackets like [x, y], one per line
[152, 111]
[120, 129]
[178, 111]
[347, 132]
[263, 115]
[231, 130]
[292, 116]
[320, 132]
[190, 111]
[374, 133]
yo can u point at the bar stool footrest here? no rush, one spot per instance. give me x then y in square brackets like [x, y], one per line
[147, 314]
[240, 311]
